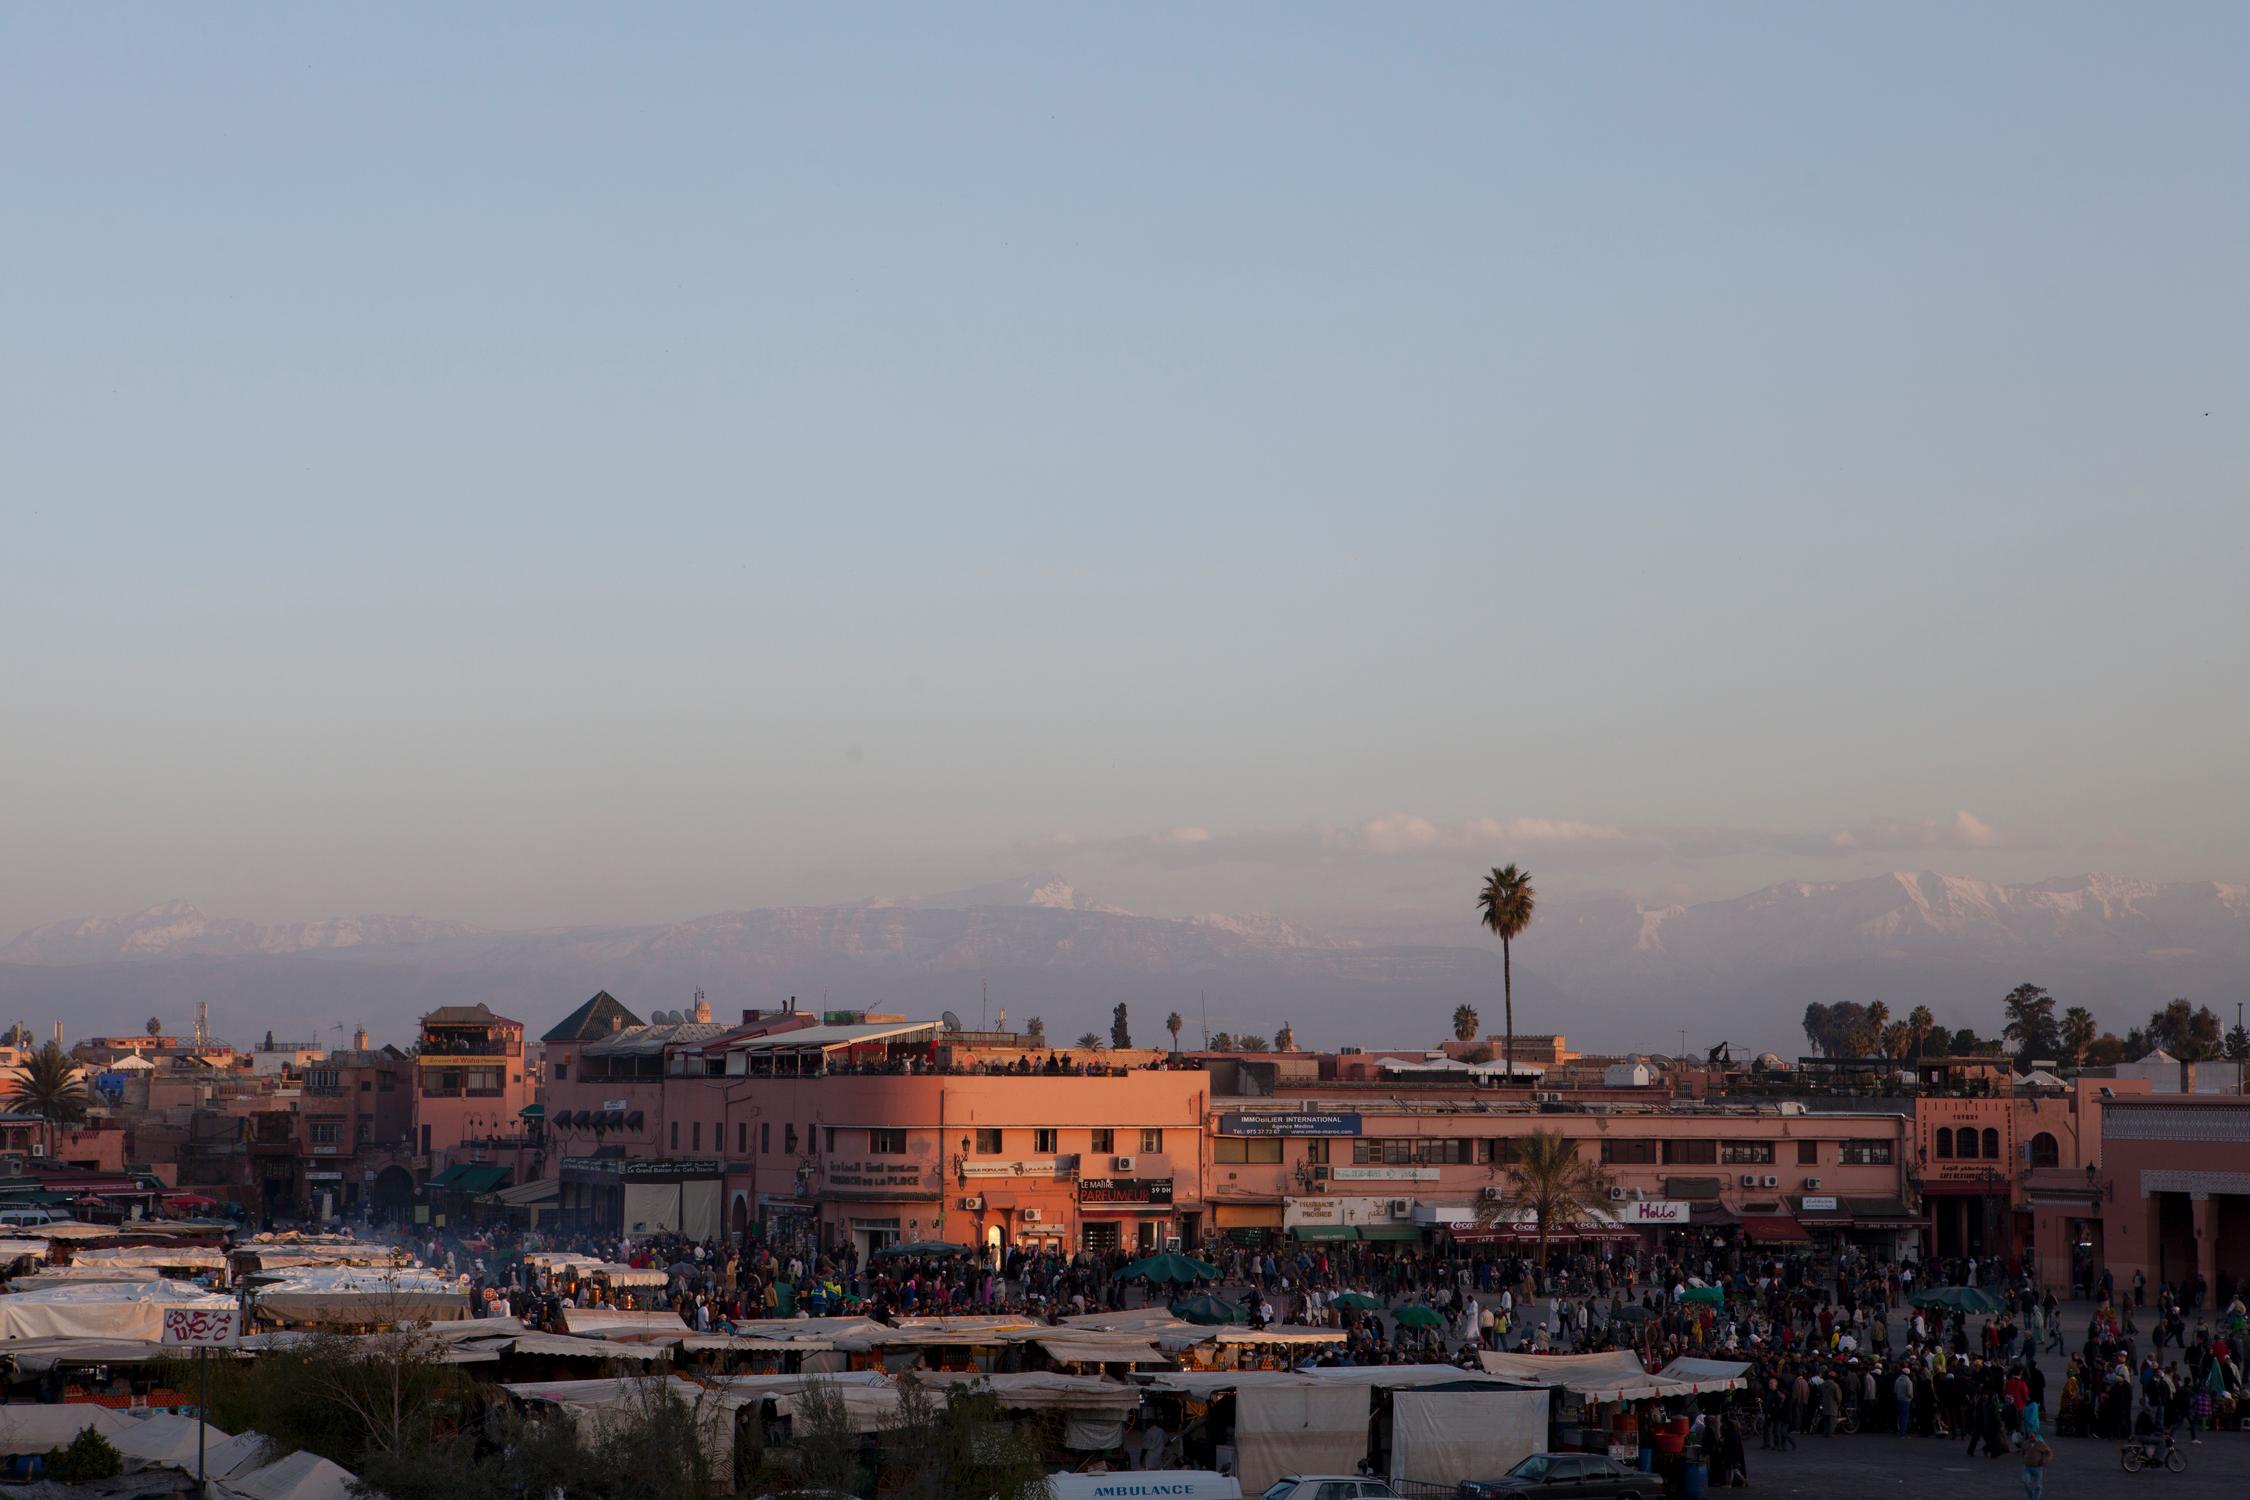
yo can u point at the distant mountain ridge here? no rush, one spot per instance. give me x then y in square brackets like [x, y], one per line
[1611, 974]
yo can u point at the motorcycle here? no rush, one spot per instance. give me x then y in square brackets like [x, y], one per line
[2152, 1453]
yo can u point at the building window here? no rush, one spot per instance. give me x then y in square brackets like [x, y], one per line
[695, 1135]
[1043, 1142]
[1945, 1143]
[1316, 1150]
[1747, 1153]
[1865, 1153]
[675, 1135]
[2044, 1151]
[988, 1143]
[327, 1132]
[365, 1086]
[765, 1135]
[366, 1131]
[886, 1143]
[831, 1140]
[1691, 1153]
[789, 1139]
[1152, 1140]
[1104, 1141]
[1991, 1144]
[742, 1137]
[562, 1072]
[1808, 1153]
[1231, 1149]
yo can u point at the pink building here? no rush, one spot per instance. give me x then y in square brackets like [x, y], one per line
[1409, 1162]
[2174, 1197]
[470, 1081]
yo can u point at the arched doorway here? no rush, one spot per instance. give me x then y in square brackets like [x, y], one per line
[391, 1196]
[2044, 1151]
[738, 1218]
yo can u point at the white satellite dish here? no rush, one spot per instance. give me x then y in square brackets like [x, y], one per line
[951, 1021]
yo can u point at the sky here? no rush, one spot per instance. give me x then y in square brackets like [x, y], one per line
[547, 464]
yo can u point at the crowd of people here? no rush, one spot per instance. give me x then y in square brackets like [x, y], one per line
[1833, 1346]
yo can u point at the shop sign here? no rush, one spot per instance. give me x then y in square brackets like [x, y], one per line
[1153, 1190]
[1383, 1174]
[1324, 1210]
[1029, 1166]
[1819, 1205]
[1653, 1211]
[616, 1104]
[876, 1174]
[197, 1327]
[658, 1167]
[1285, 1122]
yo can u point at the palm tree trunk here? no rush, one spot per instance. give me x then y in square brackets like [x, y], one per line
[1508, 1051]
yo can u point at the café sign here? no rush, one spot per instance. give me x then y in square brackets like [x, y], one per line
[1652, 1211]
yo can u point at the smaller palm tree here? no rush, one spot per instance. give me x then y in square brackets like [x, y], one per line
[1285, 1040]
[155, 1026]
[1550, 1180]
[1173, 1023]
[1090, 1041]
[1919, 1024]
[1465, 1023]
[47, 1085]
[2078, 1033]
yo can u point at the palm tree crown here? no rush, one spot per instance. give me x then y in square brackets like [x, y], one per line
[1549, 1180]
[47, 1084]
[1505, 906]
[1173, 1023]
[1465, 1023]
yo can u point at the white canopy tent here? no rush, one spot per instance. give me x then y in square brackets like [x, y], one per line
[163, 1438]
[29, 1428]
[1438, 1437]
[300, 1476]
[100, 1309]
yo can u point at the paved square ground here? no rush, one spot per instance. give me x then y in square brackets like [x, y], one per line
[1852, 1468]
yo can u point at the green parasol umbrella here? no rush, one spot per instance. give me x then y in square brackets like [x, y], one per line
[1967, 1299]
[1631, 1312]
[1716, 1296]
[1180, 1269]
[1419, 1317]
[1205, 1308]
[1357, 1302]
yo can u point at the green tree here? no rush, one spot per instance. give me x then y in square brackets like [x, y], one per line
[1250, 1041]
[2238, 1043]
[47, 1084]
[155, 1027]
[2190, 1033]
[1173, 1023]
[1222, 1041]
[2107, 1050]
[89, 1457]
[1465, 1023]
[2031, 1027]
[1878, 1020]
[1090, 1041]
[2078, 1033]
[1505, 907]
[1120, 1030]
[1553, 1183]
[1035, 1027]
[1285, 1040]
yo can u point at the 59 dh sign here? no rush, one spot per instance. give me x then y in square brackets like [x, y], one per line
[200, 1326]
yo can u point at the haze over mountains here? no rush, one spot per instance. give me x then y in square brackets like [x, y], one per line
[1610, 974]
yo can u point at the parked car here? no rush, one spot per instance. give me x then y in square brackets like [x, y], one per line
[1327, 1487]
[1582, 1476]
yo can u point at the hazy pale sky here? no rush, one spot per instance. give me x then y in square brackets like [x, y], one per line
[552, 463]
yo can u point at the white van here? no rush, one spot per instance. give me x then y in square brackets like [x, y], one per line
[25, 1218]
[1145, 1484]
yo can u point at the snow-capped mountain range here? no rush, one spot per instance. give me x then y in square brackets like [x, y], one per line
[1607, 973]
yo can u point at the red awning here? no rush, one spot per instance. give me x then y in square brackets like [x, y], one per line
[1777, 1228]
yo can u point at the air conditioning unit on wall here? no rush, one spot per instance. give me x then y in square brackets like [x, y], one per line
[1490, 1195]
[1769, 1180]
[1749, 1179]
[971, 1204]
[1121, 1164]
[1616, 1194]
[1031, 1216]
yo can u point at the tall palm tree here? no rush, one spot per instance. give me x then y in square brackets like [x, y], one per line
[47, 1084]
[1505, 906]
[2078, 1033]
[1173, 1023]
[1465, 1023]
[1551, 1180]
[1919, 1024]
[1878, 1016]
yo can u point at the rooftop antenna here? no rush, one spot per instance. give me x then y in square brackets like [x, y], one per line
[202, 1025]
[984, 1005]
[1203, 998]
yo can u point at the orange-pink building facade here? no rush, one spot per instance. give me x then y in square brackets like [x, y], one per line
[470, 1078]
